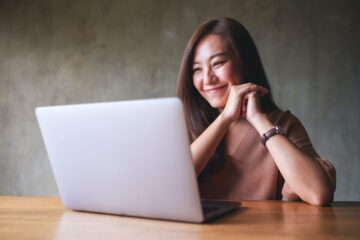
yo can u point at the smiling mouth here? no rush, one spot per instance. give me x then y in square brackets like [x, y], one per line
[213, 90]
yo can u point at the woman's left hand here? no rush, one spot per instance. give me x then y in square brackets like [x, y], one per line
[251, 108]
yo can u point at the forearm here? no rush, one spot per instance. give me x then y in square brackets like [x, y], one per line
[303, 174]
[203, 148]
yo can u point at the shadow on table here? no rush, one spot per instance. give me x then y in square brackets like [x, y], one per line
[228, 218]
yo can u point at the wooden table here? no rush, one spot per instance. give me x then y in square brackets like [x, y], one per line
[46, 218]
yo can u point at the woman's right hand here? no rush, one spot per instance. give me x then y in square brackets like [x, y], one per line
[236, 102]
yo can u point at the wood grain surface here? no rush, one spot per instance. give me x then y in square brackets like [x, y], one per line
[46, 218]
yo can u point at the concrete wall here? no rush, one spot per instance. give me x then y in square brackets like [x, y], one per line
[65, 51]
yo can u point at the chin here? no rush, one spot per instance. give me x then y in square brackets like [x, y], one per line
[217, 103]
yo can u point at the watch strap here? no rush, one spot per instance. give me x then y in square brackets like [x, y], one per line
[272, 132]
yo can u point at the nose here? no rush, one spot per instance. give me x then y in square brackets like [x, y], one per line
[209, 76]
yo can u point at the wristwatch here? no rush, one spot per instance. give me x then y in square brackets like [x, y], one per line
[273, 131]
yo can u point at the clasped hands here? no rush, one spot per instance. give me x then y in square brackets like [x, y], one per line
[244, 102]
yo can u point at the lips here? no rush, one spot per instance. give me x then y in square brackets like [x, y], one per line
[216, 89]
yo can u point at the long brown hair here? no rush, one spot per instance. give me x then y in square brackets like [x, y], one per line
[199, 114]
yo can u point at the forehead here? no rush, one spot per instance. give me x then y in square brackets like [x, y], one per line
[209, 45]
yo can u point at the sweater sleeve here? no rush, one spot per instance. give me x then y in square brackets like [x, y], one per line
[297, 134]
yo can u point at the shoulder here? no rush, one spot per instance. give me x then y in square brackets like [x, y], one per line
[284, 118]
[292, 127]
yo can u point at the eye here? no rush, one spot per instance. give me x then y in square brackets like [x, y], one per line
[218, 63]
[195, 70]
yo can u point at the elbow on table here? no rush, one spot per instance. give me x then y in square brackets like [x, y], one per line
[321, 199]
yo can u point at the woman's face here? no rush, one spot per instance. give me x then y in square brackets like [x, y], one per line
[215, 70]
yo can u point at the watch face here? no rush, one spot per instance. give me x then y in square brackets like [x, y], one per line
[279, 129]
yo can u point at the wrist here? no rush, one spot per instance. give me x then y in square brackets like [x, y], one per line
[273, 131]
[261, 123]
[224, 120]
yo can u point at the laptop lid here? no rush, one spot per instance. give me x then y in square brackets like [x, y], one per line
[127, 157]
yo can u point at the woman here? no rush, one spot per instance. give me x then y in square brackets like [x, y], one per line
[243, 145]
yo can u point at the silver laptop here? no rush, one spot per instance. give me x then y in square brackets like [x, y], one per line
[128, 158]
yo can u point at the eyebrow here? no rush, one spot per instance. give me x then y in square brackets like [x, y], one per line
[213, 56]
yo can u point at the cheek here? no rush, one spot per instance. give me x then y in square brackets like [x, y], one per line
[232, 74]
[234, 77]
[197, 83]
[227, 75]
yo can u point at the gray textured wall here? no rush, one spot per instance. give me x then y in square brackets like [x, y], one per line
[60, 52]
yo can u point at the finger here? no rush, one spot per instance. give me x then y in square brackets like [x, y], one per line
[262, 91]
[241, 108]
[250, 94]
[250, 87]
[245, 104]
